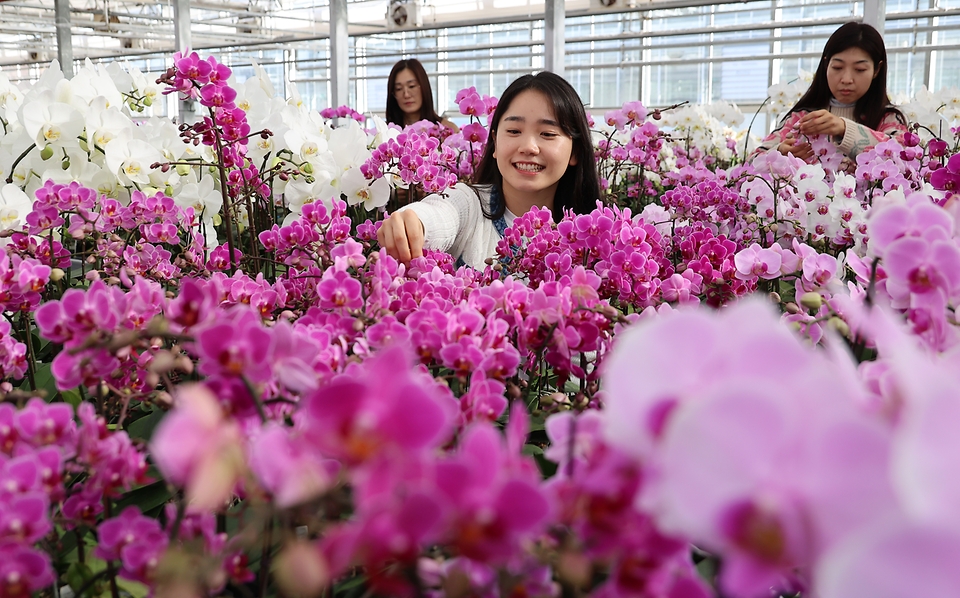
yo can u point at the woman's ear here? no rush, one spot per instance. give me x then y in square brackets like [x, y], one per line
[876, 71]
[573, 159]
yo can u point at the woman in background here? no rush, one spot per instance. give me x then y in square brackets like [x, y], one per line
[847, 100]
[410, 100]
[409, 96]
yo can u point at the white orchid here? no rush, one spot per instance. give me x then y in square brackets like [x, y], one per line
[14, 206]
[349, 145]
[206, 201]
[130, 160]
[384, 132]
[144, 87]
[165, 137]
[49, 122]
[90, 83]
[105, 123]
[10, 99]
[258, 147]
[726, 112]
[358, 189]
[299, 192]
[79, 168]
[306, 136]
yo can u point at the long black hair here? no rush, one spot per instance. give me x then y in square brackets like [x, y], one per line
[579, 187]
[875, 104]
[427, 111]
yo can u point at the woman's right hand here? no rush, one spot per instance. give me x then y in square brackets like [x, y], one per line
[402, 235]
[800, 149]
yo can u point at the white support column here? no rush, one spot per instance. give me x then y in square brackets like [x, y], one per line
[181, 25]
[339, 54]
[553, 34]
[181, 39]
[875, 13]
[64, 39]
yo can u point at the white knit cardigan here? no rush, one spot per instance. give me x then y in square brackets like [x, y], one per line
[456, 224]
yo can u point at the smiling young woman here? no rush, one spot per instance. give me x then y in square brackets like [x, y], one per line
[540, 154]
[847, 100]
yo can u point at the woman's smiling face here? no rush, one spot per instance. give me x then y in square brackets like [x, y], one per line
[531, 149]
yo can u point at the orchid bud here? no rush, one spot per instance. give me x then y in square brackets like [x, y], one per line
[839, 325]
[183, 169]
[301, 570]
[811, 300]
[306, 168]
[57, 274]
[46, 153]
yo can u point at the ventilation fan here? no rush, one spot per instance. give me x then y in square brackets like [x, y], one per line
[611, 4]
[404, 14]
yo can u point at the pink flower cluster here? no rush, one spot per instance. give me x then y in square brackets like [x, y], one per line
[41, 447]
[85, 321]
[919, 270]
[891, 166]
[633, 143]
[474, 105]
[627, 256]
[779, 459]
[226, 129]
[416, 156]
[343, 112]
[158, 222]
[595, 491]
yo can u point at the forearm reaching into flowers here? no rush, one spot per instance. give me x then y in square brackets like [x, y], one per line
[850, 137]
[454, 223]
[402, 235]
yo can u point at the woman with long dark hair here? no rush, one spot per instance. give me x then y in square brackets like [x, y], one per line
[410, 97]
[539, 154]
[847, 100]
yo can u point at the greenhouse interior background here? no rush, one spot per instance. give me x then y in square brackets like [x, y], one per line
[662, 53]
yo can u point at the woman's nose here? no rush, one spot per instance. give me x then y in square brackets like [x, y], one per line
[529, 145]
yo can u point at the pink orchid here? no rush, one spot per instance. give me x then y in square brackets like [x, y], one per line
[196, 447]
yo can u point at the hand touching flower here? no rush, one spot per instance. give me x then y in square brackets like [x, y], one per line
[822, 122]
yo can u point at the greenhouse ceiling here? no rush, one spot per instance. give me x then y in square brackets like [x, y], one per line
[107, 28]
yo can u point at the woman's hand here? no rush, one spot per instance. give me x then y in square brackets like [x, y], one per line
[822, 122]
[402, 236]
[791, 145]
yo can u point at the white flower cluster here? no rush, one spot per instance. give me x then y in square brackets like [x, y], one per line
[936, 112]
[84, 129]
[710, 127]
[783, 96]
[819, 206]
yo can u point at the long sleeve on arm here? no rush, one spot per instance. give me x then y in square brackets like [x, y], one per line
[779, 135]
[455, 223]
[859, 138]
